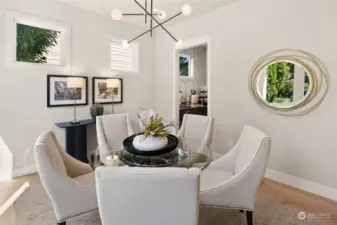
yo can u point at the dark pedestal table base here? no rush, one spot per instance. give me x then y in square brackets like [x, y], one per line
[76, 138]
[76, 142]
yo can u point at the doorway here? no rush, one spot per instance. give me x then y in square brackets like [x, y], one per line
[192, 79]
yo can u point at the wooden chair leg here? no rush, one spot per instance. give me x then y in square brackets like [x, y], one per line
[62, 223]
[249, 215]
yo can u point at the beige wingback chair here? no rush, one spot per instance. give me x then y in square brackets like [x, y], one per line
[232, 181]
[196, 133]
[111, 132]
[148, 196]
[70, 184]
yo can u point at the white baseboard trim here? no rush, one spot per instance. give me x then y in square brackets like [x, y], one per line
[306, 185]
[22, 171]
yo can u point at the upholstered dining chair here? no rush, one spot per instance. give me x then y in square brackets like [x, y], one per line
[232, 181]
[148, 196]
[111, 131]
[70, 184]
[196, 133]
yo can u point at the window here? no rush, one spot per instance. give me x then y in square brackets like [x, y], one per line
[34, 40]
[185, 66]
[37, 45]
[123, 59]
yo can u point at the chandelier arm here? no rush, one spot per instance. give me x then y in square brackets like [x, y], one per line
[157, 21]
[146, 14]
[137, 14]
[151, 21]
[171, 18]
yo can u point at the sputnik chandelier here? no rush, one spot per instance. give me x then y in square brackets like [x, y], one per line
[150, 14]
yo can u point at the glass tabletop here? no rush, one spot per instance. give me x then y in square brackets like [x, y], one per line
[176, 158]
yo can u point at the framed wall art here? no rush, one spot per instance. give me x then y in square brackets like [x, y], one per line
[59, 94]
[107, 90]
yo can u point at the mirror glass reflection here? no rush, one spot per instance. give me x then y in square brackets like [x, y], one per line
[284, 84]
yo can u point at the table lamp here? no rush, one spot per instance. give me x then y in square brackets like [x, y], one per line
[75, 83]
[112, 83]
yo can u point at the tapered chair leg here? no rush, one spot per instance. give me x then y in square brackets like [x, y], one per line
[249, 215]
[62, 223]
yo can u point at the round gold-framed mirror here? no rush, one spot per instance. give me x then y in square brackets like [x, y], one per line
[289, 82]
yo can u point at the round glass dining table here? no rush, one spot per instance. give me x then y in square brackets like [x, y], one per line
[176, 158]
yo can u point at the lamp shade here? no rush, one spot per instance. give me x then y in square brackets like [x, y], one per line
[179, 44]
[186, 10]
[112, 83]
[162, 15]
[116, 14]
[125, 44]
[75, 82]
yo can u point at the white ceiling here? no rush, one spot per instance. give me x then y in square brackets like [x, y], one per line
[171, 7]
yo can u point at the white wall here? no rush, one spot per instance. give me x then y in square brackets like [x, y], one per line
[24, 114]
[240, 33]
[6, 161]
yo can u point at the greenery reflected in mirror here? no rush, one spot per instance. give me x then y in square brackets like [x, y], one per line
[283, 83]
[280, 82]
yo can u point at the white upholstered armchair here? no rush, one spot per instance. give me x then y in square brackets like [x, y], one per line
[148, 196]
[196, 133]
[232, 181]
[70, 184]
[111, 131]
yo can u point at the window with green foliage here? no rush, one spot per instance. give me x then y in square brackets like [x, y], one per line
[37, 45]
[185, 66]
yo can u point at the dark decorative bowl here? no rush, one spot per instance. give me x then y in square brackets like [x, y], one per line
[172, 145]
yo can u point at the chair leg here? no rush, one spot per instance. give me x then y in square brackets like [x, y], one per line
[249, 215]
[62, 223]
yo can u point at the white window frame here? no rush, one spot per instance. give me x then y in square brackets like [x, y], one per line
[135, 57]
[13, 18]
[190, 67]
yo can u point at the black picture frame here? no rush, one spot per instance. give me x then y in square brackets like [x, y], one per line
[50, 104]
[95, 80]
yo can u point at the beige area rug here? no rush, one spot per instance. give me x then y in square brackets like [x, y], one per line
[34, 208]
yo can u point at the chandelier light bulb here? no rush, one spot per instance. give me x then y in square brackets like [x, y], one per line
[155, 10]
[125, 44]
[179, 44]
[116, 14]
[186, 10]
[162, 15]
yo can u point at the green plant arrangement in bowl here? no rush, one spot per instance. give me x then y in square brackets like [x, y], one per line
[154, 132]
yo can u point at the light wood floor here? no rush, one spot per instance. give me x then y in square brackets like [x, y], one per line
[301, 200]
[8, 188]
[281, 193]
